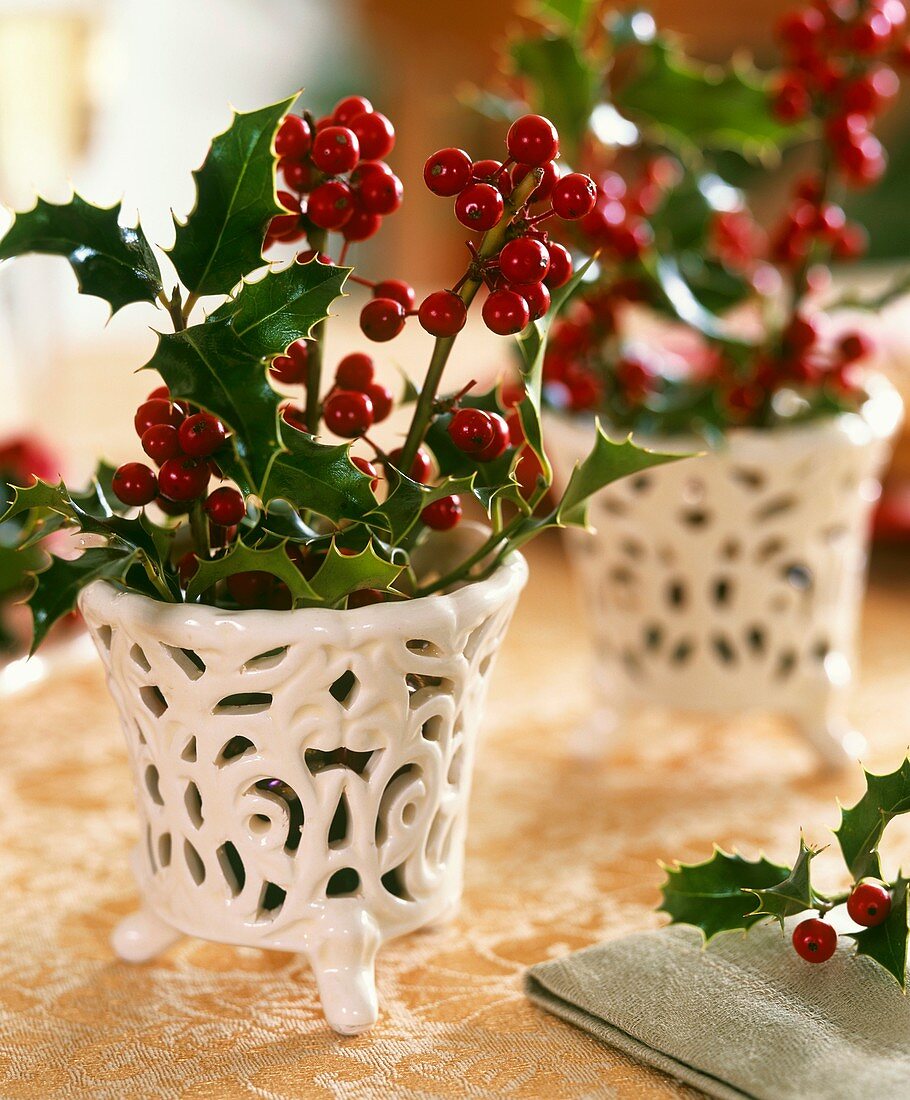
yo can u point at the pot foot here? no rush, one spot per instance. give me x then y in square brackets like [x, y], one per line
[834, 740]
[343, 961]
[142, 936]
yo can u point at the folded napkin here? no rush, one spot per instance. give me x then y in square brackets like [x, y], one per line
[742, 1017]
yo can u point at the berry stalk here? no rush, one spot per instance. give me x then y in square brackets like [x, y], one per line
[315, 350]
[490, 246]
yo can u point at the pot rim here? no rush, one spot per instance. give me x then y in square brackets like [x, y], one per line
[112, 604]
[877, 419]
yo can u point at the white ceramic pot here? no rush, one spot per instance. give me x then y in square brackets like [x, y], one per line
[733, 581]
[302, 777]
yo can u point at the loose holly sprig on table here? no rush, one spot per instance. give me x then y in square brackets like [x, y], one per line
[728, 892]
[296, 519]
[675, 237]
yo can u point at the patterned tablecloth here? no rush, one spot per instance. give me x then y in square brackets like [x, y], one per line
[561, 854]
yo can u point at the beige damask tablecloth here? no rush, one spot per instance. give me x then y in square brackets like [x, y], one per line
[561, 854]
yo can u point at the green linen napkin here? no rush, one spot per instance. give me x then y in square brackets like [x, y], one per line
[744, 1017]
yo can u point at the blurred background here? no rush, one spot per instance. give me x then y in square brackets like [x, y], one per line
[120, 99]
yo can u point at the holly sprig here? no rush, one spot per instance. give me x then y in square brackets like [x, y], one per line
[730, 893]
[303, 522]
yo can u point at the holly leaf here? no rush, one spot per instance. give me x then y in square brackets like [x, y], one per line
[56, 590]
[401, 509]
[111, 261]
[209, 365]
[270, 314]
[341, 574]
[713, 895]
[221, 240]
[608, 462]
[794, 894]
[696, 107]
[861, 827]
[563, 85]
[317, 477]
[244, 559]
[886, 943]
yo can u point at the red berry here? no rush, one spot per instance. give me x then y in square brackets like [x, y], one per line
[850, 243]
[375, 134]
[286, 227]
[172, 507]
[862, 159]
[505, 312]
[161, 442]
[855, 346]
[250, 589]
[186, 568]
[791, 101]
[201, 435]
[472, 430]
[157, 411]
[574, 196]
[365, 597]
[336, 150]
[633, 239]
[421, 467]
[537, 297]
[801, 30]
[330, 205]
[524, 260]
[183, 479]
[635, 378]
[297, 174]
[348, 413]
[868, 94]
[160, 393]
[499, 442]
[367, 467]
[561, 266]
[361, 225]
[398, 290]
[871, 33]
[532, 139]
[135, 484]
[225, 507]
[355, 372]
[349, 108]
[814, 940]
[479, 206]
[447, 172]
[869, 904]
[442, 515]
[309, 256]
[830, 221]
[291, 368]
[379, 192]
[801, 334]
[382, 319]
[442, 313]
[294, 138]
[547, 182]
[382, 399]
[491, 171]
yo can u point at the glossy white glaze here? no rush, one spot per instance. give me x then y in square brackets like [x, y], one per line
[255, 828]
[733, 581]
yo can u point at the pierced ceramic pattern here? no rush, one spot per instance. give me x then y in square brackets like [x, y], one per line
[302, 777]
[733, 581]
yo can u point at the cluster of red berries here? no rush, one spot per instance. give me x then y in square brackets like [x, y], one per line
[869, 905]
[528, 264]
[837, 52]
[618, 223]
[181, 443]
[812, 225]
[334, 172]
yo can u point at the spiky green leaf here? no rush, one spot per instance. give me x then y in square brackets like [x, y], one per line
[245, 559]
[110, 260]
[221, 240]
[341, 574]
[794, 894]
[271, 313]
[400, 511]
[861, 827]
[713, 895]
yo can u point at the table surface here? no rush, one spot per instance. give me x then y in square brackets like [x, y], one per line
[562, 853]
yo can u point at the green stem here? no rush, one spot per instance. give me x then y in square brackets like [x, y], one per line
[316, 349]
[199, 527]
[489, 246]
[484, 550]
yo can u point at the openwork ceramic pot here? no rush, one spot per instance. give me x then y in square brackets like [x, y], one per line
[733, 581]
[302, 777]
